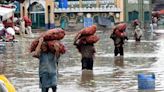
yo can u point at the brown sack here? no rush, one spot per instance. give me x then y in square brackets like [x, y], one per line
[92, 39]
[89, 30]
[88, 40]
[34, 44]
[54, 34]
[121, 27]
[56, 47]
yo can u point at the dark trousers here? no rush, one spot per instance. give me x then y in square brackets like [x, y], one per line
[118, 50]
[138, 39]
[87, 63]
[46, 89]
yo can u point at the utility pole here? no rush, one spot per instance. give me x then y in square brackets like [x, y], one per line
[80, 3]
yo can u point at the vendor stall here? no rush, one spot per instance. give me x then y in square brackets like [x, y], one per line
[6, 13]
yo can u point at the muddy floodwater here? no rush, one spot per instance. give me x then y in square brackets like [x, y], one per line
[110, 74]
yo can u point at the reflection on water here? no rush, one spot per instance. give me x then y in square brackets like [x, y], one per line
[110, 74]
[146, 91]
[119, 61]
[87, 78]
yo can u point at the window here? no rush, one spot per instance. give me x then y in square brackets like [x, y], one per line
[146, 15]
[133, 15]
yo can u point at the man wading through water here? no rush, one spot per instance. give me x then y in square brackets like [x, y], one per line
[47, 66]
[84, 42]
[119, 36]
[87, 52]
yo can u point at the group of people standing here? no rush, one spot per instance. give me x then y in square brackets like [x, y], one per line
[23, 26]
[19, 26]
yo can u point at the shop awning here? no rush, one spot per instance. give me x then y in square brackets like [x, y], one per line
[6, 13]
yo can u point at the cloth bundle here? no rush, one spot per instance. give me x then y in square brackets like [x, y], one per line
[86, 36]
[52, 38]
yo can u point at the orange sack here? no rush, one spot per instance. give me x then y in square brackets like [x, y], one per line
[89, 30]
[92, 39]
[88, 39]
[57, 47]
[54, 34]
[86, 35]
[121, 27]
[54, 46]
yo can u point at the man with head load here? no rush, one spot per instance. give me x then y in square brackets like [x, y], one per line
[119, 35]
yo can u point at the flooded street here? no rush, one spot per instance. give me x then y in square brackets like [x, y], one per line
[110, 74]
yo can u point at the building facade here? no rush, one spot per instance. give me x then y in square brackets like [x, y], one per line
[158, 5]
[138, 9]
[47, 13]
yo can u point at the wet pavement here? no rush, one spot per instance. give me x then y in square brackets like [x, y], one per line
[110, 74]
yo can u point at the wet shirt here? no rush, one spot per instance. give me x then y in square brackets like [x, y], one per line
[138, 32]
[87, 50]
[48, 70]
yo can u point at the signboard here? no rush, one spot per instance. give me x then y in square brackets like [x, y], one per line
[63, 3]
[107, 1]
[17, 4]
[133, 1]
[88, 22]
[146, 1]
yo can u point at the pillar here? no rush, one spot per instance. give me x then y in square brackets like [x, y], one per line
[141, 12]
[49, 14]
[120, 5]
[80, 3]
[97, 3]
[23, 9]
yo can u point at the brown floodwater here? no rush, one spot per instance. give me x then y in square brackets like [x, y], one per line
[110, 74]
